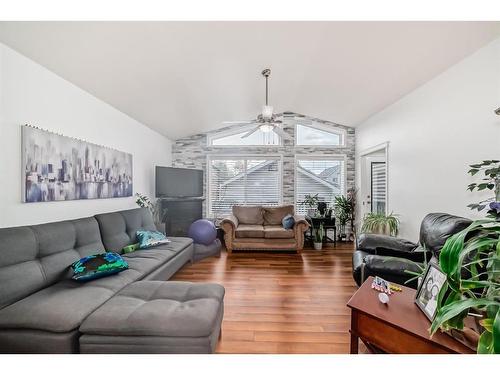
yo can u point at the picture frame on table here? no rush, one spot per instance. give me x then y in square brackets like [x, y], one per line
[429, 290]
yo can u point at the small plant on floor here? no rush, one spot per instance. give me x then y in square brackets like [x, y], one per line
[319, 234]
[344, 211]
[381, 224]
[490, 181]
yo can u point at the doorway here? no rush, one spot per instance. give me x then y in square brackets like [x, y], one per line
[373, 187]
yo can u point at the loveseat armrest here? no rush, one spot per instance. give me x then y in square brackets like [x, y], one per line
[229, 225]
[231, 220]
[301, 222]
[381, 244]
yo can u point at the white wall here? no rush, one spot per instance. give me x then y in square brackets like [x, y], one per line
[434, 133]
[29, 93]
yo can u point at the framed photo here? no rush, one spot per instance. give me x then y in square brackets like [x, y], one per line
[428, 292]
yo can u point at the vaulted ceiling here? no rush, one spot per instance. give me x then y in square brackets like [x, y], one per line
[182, 78]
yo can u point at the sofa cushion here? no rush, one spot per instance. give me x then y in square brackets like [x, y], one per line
[63, 307]
[118, 229]
[157, 308]
[249, 231]
[249, 214]
[274, 215]
[37, 256]
[277, 231]
[436, 228]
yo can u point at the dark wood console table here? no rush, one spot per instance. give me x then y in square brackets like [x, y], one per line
[328, 223]
[398, 327]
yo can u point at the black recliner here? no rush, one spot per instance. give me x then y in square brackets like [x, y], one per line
[376, 254]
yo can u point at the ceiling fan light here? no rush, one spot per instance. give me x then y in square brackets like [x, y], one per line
[267, 111]
[266, 128]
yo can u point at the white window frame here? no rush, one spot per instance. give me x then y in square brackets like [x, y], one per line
[317, 156]
[342, 133]
[211, 157]
[234, 131]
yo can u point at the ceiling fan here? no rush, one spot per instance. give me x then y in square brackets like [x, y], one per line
[267, 121]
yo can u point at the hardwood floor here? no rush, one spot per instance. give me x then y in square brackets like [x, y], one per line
[282, 302]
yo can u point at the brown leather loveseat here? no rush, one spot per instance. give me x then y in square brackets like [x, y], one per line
[260, 228]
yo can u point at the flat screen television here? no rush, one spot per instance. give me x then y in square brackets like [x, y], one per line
[178, 182]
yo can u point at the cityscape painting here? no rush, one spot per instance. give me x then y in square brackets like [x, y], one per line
[59, 168]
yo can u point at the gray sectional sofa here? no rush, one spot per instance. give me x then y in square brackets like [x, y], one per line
[42, 310]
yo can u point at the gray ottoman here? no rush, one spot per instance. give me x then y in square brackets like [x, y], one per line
[156, 317]
[203, 251]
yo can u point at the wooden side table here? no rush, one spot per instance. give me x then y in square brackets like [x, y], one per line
[398, 327]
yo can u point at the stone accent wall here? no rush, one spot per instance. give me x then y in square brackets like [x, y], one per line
[191, 152]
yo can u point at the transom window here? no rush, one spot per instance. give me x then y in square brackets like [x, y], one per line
[234, 138]
[318, 135]
[318, 175]
[242, 181]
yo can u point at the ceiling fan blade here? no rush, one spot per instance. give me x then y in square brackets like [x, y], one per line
[238, 122]
[281, 133]
[248, 134]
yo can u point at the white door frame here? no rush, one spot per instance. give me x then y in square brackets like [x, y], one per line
[364, 155]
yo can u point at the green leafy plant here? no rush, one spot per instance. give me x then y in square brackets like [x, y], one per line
[490, 181]
[343, 209]
[319, 233]
[310, 201]
[381, 223]
[143, 200]
[471, 261]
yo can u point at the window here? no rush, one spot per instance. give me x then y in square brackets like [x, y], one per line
[378, 184]
[318, 175]
[319, 135]
[233, 138]
[243, 181]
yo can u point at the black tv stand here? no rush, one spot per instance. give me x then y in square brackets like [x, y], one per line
[180, 213]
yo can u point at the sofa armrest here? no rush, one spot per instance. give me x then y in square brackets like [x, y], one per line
[381, 244]
[299, 228]
[229, 225]
[231, 220]
[301, 222]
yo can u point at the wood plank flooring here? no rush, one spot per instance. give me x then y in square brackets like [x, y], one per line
[282, 302]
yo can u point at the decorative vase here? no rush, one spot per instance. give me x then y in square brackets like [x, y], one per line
[318, 245]
[311, 212]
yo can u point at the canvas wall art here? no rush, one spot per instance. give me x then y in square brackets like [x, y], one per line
[60, 168]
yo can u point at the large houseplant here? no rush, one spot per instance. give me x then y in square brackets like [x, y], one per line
[380, 223]
[471, 261]
[490, 181]
[345, 209]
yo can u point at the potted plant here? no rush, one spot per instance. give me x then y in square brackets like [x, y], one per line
[380, 223]
[490, 181]
[310, 201]
[143, 200]
[343, 212]
[471, 261]
[318, 237]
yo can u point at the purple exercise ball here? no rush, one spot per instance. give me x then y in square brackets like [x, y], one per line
[203, 231]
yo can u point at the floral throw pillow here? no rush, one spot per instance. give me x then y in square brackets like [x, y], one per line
[98, 265]
[150, 238]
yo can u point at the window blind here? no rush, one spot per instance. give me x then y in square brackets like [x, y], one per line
[243, 181]
[321, 176]
[379, 183]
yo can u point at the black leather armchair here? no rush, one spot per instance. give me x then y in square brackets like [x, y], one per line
[376, 254]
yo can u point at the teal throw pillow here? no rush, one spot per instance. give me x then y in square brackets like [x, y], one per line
[288, 221]
[98, 265]
[150, 238]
